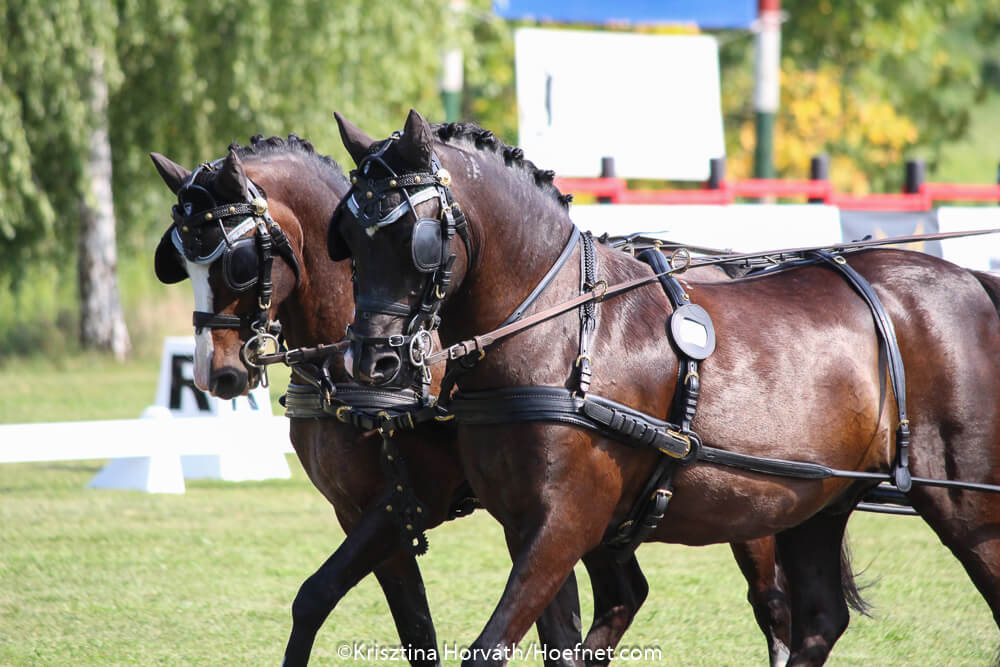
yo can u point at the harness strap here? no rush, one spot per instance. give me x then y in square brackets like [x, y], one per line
[546, 279]
[561, 405]
[651, 504]
[468, 362]
[887, 340]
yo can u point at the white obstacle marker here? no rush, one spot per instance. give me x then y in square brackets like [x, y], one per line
[186, 433]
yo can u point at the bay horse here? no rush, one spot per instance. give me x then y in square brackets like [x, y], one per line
[313, 301]
[797, 374]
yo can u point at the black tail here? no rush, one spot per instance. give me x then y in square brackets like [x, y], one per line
[849, 583]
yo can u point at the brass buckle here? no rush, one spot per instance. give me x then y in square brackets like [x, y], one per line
[677, 435]
[662, 492]
[603, 284]
[383, 427]
[341, 411]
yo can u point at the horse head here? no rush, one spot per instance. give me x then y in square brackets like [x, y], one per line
[244, 253]
[398, 224]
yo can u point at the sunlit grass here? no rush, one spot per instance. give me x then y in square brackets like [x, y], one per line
[105, 577]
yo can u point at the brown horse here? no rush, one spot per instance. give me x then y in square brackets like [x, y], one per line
[797, 374]
[313, 302]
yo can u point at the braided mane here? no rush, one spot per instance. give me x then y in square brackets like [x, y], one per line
[512, 156]
[261, 148]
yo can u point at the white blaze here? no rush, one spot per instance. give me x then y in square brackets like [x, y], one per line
[203, 301]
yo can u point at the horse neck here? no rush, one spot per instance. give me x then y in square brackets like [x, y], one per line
[319, 310]
[518, 232]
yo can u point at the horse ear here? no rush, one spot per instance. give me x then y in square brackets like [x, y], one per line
[355, 141]
[231, 182]
[167, 263]
[172, 173]
[415, 144]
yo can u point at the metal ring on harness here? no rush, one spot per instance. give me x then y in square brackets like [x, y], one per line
[256, 346]
[682, 253]
[421, 345]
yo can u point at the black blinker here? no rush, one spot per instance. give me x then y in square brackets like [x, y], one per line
[167, 262]
[240, 265]
[426, 245]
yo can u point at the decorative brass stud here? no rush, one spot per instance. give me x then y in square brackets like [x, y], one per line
[388, 508]
[399, 487]
[392, 183]
[444, 177]
[232, 210]
[184, 228]
[259, 205]
[409, 526]
[208, 216]
[354, 180]
[369, 194]
[416, 179]
[389, 457]
[420, 510]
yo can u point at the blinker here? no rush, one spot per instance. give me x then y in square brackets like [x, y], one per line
[426, 245]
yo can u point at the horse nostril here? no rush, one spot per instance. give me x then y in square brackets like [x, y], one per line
[228, 382]
[385, 368]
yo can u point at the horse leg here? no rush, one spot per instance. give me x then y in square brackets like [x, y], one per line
[559, 625]
[766, 594]
[810, 556]
[374, 539]
[619, 591]
[400, 579]
[544, 556]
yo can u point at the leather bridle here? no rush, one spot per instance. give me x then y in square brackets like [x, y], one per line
[234, 221]
[431, 250]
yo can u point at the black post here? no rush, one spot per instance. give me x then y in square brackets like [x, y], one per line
[716, 173]
[819, 170]
[915, 173]
[607, 171]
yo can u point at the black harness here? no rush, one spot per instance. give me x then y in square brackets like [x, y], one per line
[204, 232]
[430, 243]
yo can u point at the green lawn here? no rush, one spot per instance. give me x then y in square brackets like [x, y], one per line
[104, 577]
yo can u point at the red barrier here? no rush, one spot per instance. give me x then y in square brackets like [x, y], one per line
[616, 191]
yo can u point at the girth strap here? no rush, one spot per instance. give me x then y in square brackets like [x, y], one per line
[560, 405]
[887, 339]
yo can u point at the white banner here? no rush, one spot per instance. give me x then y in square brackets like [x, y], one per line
[651, 102]
[975, 252]
[738, 227]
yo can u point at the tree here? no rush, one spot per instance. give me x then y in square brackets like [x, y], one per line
[870, 82]
[183, 78]
[55, 71]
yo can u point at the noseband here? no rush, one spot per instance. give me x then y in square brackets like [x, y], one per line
[245, 262]
[431, 248]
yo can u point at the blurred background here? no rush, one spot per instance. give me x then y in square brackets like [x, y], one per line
[88, 89]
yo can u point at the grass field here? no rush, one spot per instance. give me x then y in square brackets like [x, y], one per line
[103, 577]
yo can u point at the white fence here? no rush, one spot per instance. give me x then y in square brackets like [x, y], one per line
[186, 434]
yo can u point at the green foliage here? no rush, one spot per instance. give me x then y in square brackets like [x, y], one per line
[47, 59]
[186, 79]
[890, 80]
